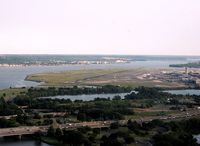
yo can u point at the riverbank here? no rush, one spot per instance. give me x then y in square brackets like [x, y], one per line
[51, 141]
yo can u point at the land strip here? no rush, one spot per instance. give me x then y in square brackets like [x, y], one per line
[98, 77]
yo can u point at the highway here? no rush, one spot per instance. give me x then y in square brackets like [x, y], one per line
[26, 130]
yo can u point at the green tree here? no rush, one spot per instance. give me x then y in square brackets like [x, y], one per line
[59, 134]
[51, 132]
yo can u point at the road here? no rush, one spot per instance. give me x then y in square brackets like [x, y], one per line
[26, 130]
[95, 124]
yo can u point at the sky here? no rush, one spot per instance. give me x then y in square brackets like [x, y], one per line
[133, 27]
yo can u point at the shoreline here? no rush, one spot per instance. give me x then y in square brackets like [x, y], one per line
[63, 64]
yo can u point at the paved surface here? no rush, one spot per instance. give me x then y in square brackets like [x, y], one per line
[96, 124]
[32, 129]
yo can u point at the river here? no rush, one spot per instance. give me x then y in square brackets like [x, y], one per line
[87, 97]
[29, 142]
[197, 137]
[184, 92]
[14, 76]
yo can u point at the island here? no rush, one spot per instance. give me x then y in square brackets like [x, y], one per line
[148, 116]
[190, 65]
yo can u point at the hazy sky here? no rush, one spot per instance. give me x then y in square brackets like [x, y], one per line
[135, 27]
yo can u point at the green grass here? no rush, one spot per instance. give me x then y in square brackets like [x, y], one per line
[61, 78]
[95, 77]
[10, 93]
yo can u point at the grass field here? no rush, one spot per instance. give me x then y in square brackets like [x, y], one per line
[11, 92]
[98, 77]
[68, 77]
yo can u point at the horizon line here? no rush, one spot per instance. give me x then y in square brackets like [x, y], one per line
[59, 54]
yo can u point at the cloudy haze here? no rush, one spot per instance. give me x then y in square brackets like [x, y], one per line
[159, 27]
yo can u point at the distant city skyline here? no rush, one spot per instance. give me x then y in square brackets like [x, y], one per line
[118, 27]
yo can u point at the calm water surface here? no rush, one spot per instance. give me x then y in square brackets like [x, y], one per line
[23, 143]
[197, 137]
[122, 95]
[184, 92]
[87, 97]
[14, 76]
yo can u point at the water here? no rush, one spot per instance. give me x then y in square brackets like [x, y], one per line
[87, 97]
[23, 143]
[184, 92]
[69, 58]
[197, 137]
[14, 76]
